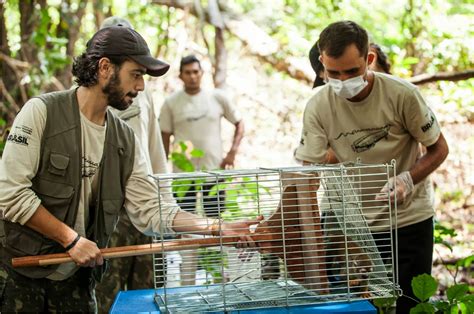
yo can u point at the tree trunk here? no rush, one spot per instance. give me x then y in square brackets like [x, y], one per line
[68, 28]
[7, 74]
[28, 20]
[220, 65]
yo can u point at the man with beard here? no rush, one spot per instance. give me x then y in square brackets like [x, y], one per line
[134, 272]
[76, 166]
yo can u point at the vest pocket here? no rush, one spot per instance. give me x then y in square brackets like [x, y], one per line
[30, 244]
[58, 164]
[55, 197]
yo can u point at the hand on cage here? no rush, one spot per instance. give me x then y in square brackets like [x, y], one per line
[400, 185]
[241, 229]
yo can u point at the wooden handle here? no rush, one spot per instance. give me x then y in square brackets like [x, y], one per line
[124, 251]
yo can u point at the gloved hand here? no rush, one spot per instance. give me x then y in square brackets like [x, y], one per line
[401, 185]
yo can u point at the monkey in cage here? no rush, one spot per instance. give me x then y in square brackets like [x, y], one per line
[342, 254]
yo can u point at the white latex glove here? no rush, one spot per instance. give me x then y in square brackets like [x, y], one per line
[401, 185]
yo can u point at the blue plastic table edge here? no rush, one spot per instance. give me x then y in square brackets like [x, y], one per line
[142, 301]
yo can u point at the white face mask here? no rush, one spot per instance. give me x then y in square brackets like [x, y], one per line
[348, 88]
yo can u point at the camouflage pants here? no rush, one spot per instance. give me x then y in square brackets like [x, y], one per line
[126, 273]
[22, 294]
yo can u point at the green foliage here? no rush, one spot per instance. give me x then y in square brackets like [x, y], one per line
[458, 298]
[442, 232]
[182, 160]
[423, 308]
[213, 261]
[424, 286]
[384, 304]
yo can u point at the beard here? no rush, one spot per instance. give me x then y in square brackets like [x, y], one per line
[115, 94]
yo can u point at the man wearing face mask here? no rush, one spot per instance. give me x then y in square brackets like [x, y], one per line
[375, 117]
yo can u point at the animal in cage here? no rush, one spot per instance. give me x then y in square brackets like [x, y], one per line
[315, 244]
[353, 267]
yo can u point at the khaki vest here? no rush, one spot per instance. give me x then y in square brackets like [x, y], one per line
[58, 181]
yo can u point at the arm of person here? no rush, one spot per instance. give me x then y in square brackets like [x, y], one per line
[166, 136]
[152, 214]
[228, 161]
[84, 252]
[18, 202]
[166, 126]
[429, 162]
[401, 185]
[422, 124]
[158, 155]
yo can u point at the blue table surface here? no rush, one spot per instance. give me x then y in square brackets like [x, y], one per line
[142, 301]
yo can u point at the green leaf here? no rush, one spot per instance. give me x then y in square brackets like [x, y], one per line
[180, 187]
[383, 304]
[457, 291]
[441, 305]
[469, 306]
[215, 188]
[197, 153]
[424, 286]
[465, 262]
[454, 309]
[423, 308]
[183, 146]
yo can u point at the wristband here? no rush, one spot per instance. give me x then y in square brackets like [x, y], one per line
[73, 243]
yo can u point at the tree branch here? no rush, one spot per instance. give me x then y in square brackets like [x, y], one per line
[441, 76]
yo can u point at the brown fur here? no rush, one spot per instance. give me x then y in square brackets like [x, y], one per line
[359, 264]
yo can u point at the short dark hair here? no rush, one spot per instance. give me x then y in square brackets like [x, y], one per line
[188, 60]
[382, 58]
[336, 37]
[316, 64]
[86, 67]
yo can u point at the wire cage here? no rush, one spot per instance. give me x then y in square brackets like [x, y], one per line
[324, 238]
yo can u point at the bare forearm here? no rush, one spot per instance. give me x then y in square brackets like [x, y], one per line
[45, 223]
[433, 158]
[238, 135]
[166, 142]
[187, 222]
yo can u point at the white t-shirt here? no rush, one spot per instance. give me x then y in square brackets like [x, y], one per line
[18, 202]
[197, 118]
[387, 125]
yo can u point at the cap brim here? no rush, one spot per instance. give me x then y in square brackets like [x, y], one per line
[154, 67]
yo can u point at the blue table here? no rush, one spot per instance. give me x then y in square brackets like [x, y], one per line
[142, 301]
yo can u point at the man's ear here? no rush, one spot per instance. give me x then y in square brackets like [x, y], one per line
[105, 67]
[371, 58]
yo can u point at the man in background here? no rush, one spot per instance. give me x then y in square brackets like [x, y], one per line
[194, 114]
